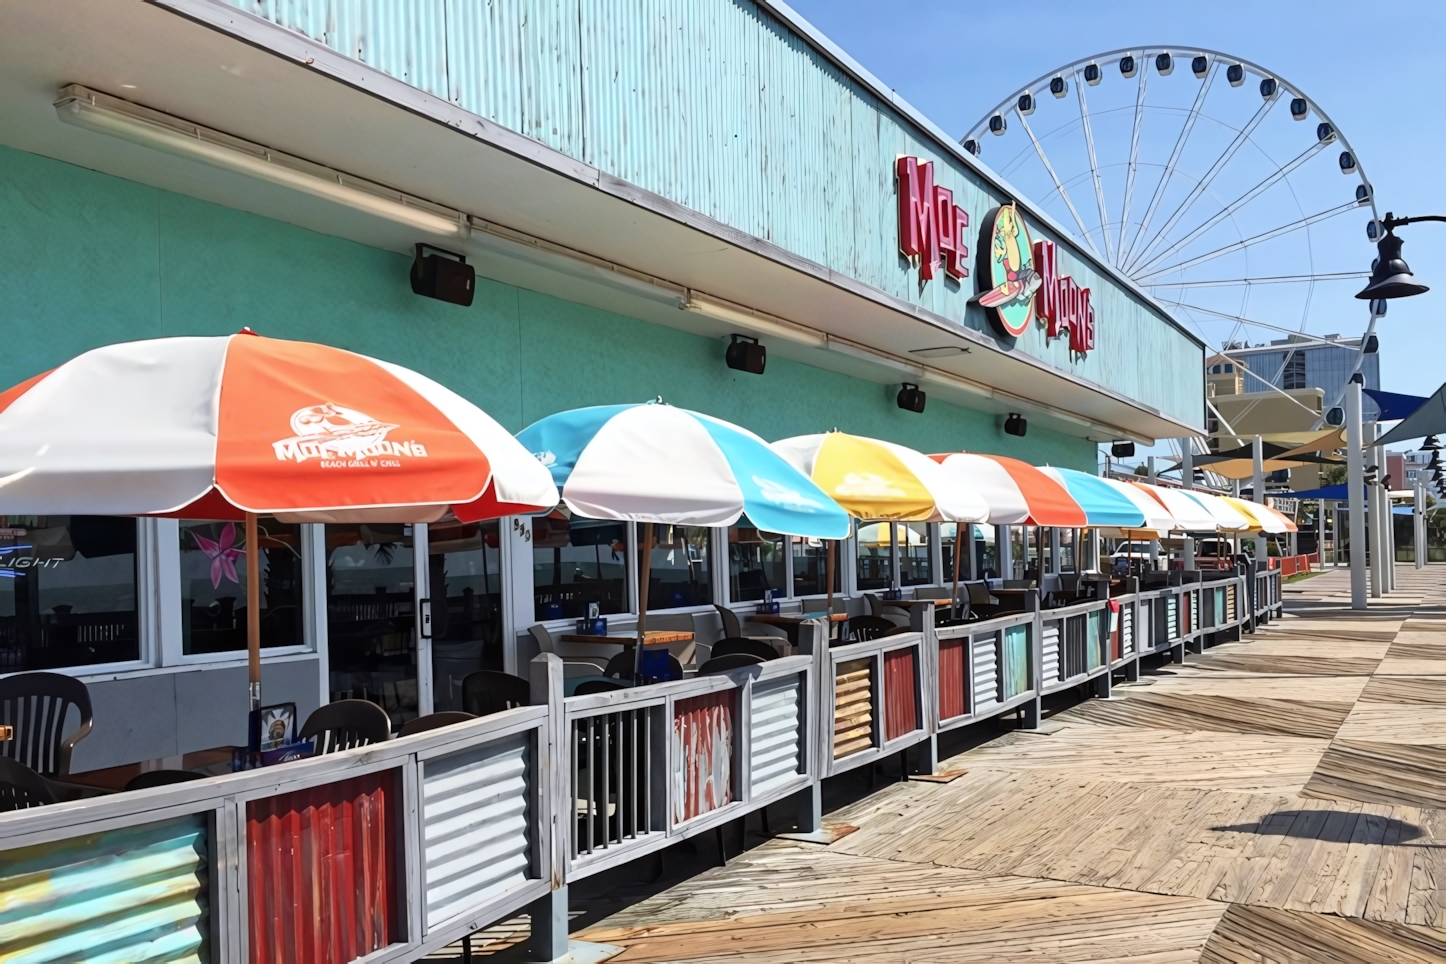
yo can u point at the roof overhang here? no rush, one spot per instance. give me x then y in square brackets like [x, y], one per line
[548, 222]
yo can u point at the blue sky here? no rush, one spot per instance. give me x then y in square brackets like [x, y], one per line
[955, 61]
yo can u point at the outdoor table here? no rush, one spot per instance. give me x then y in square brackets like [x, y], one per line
[908, 603]
[7, 733]
[653, 637]
[791, 621]
[212, 762]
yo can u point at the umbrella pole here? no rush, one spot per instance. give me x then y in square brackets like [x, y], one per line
[253, 610]
[958, 544]
[645, 576]
[828, 577]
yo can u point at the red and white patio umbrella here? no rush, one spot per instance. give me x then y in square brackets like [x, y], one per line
[239, 426]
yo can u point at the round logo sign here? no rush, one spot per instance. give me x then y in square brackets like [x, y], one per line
[1010, 300]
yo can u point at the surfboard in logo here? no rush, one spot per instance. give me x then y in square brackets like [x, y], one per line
[343, 437]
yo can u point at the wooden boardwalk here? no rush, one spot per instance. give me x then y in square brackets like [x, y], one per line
[1278, 799]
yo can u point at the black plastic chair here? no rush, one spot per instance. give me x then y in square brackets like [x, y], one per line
[722, 664]
[487, 691]
[621, 666]
[346, 724]
[162, 778]
[434, 720]
[598, 686]
[862, 628]
[22, 788]
[36, 705]
[753, 647]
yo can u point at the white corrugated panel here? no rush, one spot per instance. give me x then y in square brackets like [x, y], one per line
[1230, 603]
[986, 671]
[1127, 629]
[1051, 650]
[774, 742]
[1146, 625]
[1172, 617]
[474, 826]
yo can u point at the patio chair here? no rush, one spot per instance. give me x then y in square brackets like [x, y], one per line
[621, 666]
[434, 720]
[722, 664]
[487, 691]
[733, 627]
[894, 614]
[37, 705]
[599, 686]
[22, 788]
[346, 724]
[162, 778]
[581, 665]
[869, 627]
[742, 644]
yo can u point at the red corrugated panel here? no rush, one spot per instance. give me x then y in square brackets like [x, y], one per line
[952, 700]
[901, 709]
[322, 865]
[703, 739]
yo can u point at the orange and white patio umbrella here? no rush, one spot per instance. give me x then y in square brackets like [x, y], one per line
[238, 426]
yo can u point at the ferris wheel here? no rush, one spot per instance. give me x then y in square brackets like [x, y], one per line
[1212, 183]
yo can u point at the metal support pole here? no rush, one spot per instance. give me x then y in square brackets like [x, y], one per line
[1258, 485]
[1418, 523]
[1370, 456]
[1320, 511]
[1154, 543]
[1187, 482]
[1054, 566]
[1004, 551]
[1355, 484]
[548, 941]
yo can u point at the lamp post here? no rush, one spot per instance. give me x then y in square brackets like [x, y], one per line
[1355, 483]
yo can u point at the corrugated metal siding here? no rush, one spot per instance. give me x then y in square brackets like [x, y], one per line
[475, 840]
[703, 754]
[853, 707]
[138, 894]
[1172, 617]
[1127, 629]
[718, 106]
[1051, 650]
[953, 678]
[774, 742]
[1230, 603]
[1016, 661]
[986, 671]
[322, 870]
[901, 702]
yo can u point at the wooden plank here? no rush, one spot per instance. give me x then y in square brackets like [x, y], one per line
[1255, 934]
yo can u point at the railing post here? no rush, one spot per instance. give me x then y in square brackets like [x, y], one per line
[923, 757]
[554, 801]
[1034, 709]
[813, 637]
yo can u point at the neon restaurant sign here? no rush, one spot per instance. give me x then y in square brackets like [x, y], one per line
[1023, 281]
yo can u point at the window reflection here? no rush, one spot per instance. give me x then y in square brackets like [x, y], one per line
[371, 637]
[916, 554]
[810, 567]
[214, 556]
[756, 563]
[67, 591]
[576, 561]
[876, 564]
[465, 576]
[680, 574]
[946, 547]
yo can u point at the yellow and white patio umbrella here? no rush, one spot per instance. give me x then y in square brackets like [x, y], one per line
[1263, 518]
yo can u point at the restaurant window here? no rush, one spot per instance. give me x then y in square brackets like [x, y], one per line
[465, 575]
[577, 561]
[214, 556]
[370, 612]
[67, 591]
[680, 574]
[946, 546]
[916, 557]
[810, 567]
[876, 563]
[756, 563]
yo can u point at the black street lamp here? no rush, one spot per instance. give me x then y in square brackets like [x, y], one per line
[1390, 275]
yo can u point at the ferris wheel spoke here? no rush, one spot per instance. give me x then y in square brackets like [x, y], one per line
[1044, 159]
[1084, 118]
[1204, 182]
[1268, 280]
[1243, 320]
[1169, 171]
[1134, 158]
[1275, 178]
[1148, 279]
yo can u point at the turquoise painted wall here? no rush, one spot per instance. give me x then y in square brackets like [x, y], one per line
[719, 106]
[87, 259]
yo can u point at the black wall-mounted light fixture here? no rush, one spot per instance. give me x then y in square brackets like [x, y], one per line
[745, 354]
[444, 275]
[911, 397]
[1390, 275]
[1123, 450]
[1015, 424]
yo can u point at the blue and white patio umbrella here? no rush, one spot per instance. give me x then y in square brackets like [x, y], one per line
[656, 463]
[1103, 504]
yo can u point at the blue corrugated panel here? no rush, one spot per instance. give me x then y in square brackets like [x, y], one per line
[119, 897]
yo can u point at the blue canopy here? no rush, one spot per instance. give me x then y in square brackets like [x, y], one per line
[1393, 406]
[1331, 493]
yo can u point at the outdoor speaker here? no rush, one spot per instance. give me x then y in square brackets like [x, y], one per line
[1015, 424]
[444, 275]
[746, 355]
[1123, 450]
[911, 398]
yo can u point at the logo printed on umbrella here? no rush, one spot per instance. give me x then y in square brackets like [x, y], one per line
[343, 438]
[780, 494]
[868, 485]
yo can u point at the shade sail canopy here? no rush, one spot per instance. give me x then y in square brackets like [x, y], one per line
[1158, 521]
[1189, 515]
[1102, 504]
[1428, 419]
[1263, 518]
[1394, 406]
[1016, 492]
[213, 428]
[657, 463]
[1281, 450]
[873, 479]
[1227, 517]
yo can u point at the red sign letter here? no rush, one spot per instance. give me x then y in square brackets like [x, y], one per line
[918, 233]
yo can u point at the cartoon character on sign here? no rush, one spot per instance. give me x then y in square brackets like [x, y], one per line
[1011, 272]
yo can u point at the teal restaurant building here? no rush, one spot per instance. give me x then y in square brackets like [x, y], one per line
[637, 186]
